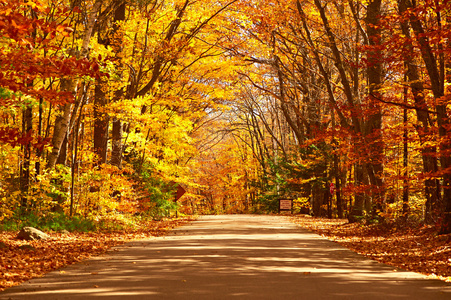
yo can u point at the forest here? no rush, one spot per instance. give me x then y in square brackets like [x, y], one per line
[110, 110]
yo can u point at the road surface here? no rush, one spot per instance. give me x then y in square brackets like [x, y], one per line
[232, 257]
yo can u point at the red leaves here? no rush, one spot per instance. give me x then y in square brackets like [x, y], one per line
[416, 249]
[22, 66]
[16, 24]
[17, 266]
[14, 137]
[23, 61]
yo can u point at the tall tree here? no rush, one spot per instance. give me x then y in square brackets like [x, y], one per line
[69, 85]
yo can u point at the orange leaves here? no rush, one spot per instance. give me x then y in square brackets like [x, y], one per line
[417, 249]
[18, 265]
[16, 24]
[30, 51]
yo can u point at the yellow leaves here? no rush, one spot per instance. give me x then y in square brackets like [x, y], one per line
[64, 30]
[31, 4]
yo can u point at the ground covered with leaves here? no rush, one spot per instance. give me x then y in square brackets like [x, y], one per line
[415, 248]
[23, 260]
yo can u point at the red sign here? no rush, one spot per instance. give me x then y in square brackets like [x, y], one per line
[332, 188]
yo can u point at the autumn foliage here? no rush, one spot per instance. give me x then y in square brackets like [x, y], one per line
[416, 249]
[107, 106]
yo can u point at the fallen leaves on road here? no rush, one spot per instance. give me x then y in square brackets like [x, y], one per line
[419, 249]
[21, 264]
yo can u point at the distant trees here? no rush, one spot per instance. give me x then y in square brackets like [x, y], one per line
[240, 102]
[334, 77]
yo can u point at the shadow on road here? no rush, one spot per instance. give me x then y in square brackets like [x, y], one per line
[224, 257]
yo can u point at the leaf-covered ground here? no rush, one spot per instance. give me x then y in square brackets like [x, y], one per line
[19, 262]
[418, 249]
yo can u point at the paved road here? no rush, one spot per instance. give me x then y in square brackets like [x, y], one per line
[232, 257]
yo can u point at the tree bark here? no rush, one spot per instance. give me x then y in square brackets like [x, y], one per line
[428, 154]
[61, 124]
[27, 127]
[101, 120]
[116, 153]
[357, 209]
[373, 128]
[68, 85]
[116, 135]
[443, 120]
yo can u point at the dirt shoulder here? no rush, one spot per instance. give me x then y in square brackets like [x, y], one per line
[419, 249]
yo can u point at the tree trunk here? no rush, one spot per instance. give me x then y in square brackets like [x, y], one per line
[100, 123]
[61, 124]
[356, 212]
[39, 150]
[438, 89]
[68, 85]
[27, 126]
[373, 134]
[116, 136]
[62, 156]
[405, 189]
[336, 172]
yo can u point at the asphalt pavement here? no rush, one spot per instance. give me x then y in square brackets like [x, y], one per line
[232, 257]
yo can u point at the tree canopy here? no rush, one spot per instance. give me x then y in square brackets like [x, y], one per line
[108, 106]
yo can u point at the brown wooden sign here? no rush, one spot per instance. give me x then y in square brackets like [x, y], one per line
[285, 205]
[180, 192]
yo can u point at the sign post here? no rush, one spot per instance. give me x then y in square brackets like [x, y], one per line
[286, 205]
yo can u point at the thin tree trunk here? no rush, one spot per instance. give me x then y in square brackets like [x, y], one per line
[336, 172]
[62, 156]
[405, 190]
[75, 143]
[116, 135]
[27, 126]
[39, 150]
[359, 199]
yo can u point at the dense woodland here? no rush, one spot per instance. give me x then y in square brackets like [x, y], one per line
[106, 107]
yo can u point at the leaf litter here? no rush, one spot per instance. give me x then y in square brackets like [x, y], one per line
[19, 264]
[417, 248]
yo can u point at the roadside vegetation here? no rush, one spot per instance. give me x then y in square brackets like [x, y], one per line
[417, 248]
[22, 260]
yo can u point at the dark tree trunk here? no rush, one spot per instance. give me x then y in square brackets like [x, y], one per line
[429, 154]
[100, 123]
[27, 126]
[373, 134]
[39, 150]
[356, 212]
[116, 136]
